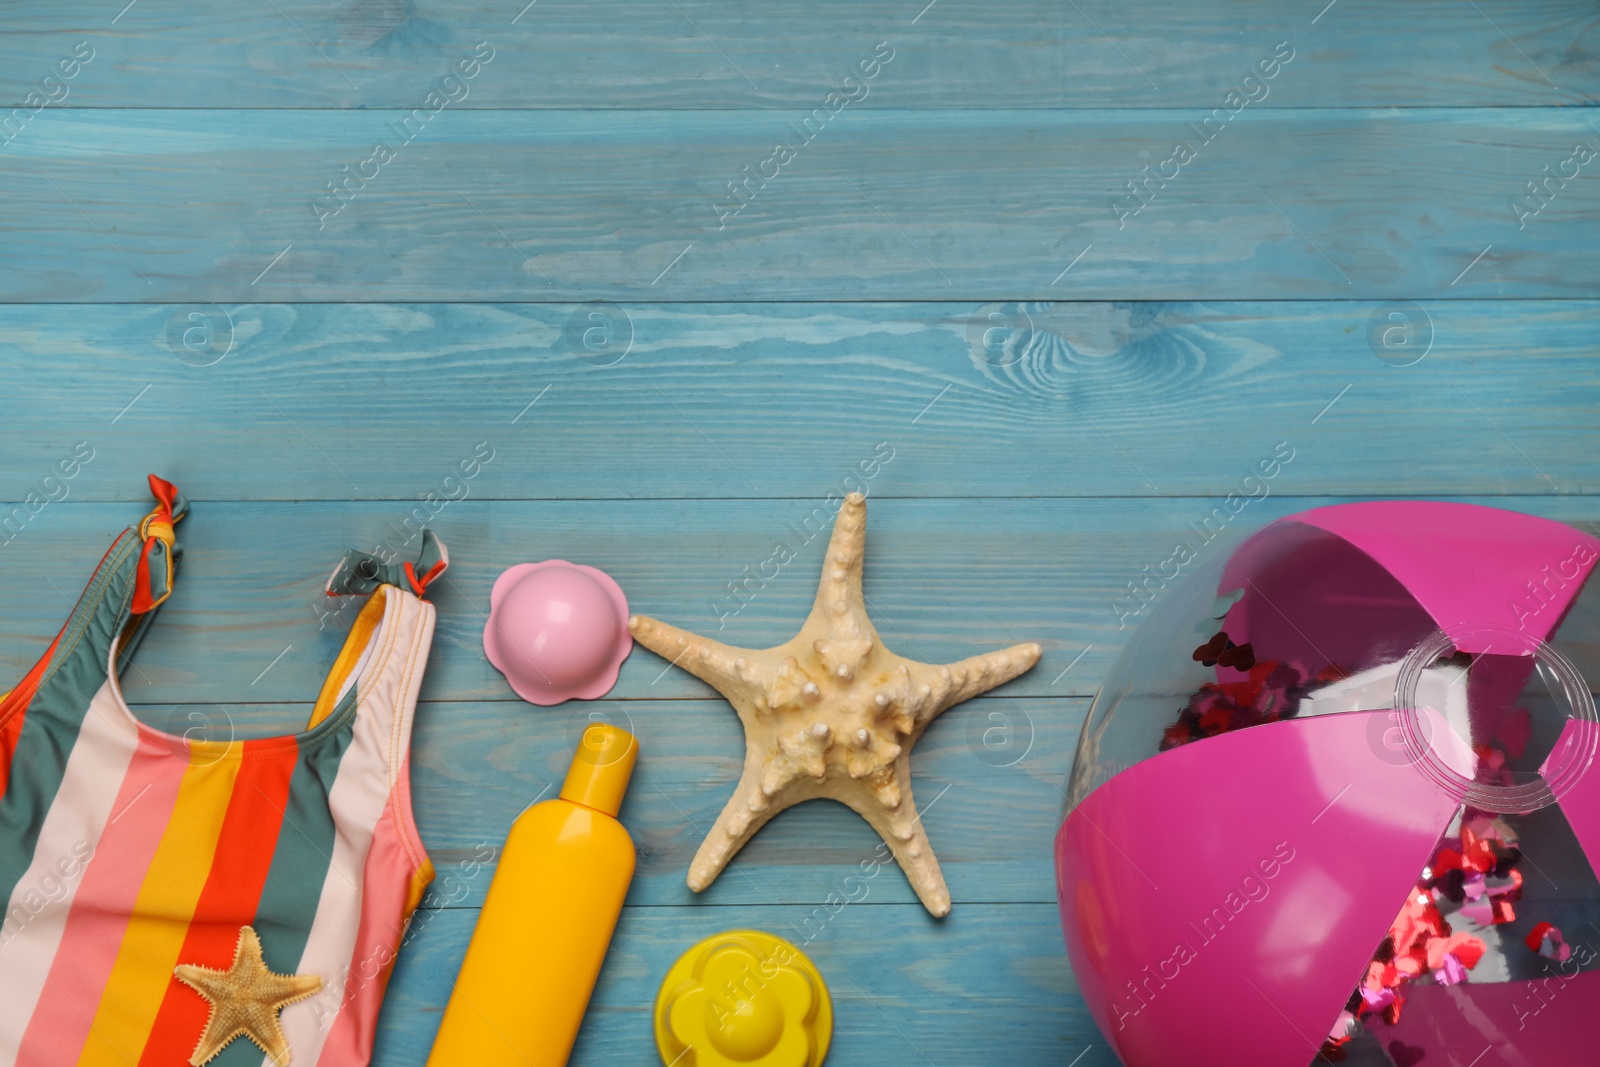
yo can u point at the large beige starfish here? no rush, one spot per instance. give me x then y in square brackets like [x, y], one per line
[831, 713]
[245, 1000]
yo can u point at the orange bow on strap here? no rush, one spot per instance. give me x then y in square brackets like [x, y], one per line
[160, 541]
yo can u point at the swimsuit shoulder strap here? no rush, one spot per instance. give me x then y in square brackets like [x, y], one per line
[377, 676]
[386, 650]
[132, 579]
[359, 573]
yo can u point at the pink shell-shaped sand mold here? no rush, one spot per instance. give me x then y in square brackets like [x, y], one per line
[557, 631]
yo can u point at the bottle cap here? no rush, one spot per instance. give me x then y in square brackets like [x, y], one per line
[598, 777]
[743, 998]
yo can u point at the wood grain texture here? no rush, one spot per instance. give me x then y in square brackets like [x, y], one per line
[946, 579]
[907, 989]
[950, 298]
[215, 206]
[786, 401]
[989, 773]
[766, 54]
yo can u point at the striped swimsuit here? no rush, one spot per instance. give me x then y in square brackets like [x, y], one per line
[126, 851]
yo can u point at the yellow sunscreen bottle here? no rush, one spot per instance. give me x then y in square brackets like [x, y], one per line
[547, 920]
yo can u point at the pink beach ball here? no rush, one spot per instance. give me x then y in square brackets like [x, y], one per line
[1337, 801]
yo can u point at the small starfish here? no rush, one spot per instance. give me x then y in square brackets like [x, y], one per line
[245, 999]
[831, 713]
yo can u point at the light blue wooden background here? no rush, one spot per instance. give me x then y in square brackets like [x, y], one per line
[736, 376]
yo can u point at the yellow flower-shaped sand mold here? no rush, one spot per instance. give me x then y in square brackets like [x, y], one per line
[743, 999]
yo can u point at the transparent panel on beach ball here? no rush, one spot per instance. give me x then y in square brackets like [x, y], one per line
[1294, 621]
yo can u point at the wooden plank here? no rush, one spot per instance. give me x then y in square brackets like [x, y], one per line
[988, 778]
[787, 401]
[906, 989]
[137, 205]
[640, 53]
[587, 164]
[946, 579]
